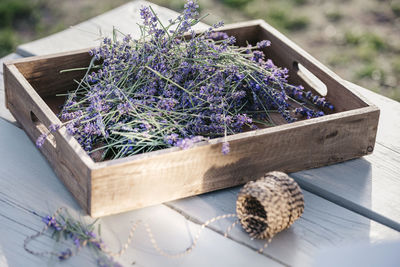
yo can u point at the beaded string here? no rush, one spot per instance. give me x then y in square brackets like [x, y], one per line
[129, 240]
[276, 194]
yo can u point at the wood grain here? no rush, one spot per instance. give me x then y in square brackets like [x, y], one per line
[322, 226]
[368, 186]
[44, 72]
[68, 159]
[4, 113]
[203, 168]
[29, 189]
[25, 172]
[389, 123]
[152, 178]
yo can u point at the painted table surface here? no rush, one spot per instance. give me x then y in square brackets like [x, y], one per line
[350, 204]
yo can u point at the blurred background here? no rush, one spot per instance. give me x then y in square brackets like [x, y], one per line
[358, 39]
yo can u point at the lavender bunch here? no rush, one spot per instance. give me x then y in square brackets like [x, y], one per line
[165, 90]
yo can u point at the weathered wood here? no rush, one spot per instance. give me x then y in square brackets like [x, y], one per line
[16, 224]
[120, 185]
[386, 254]
[26, 173]
[87, 34]
[44, 73]
[29, 188]
[389, 123]
[70, 161]
[4, 113]
[203, 168]
[323, 225]
[369, 186]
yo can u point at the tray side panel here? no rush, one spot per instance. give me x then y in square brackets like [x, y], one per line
[43, 72]
[23, 102]
[165, 177]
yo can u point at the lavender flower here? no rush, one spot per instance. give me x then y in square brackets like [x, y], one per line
[54, 127]
[65, 254]
[225, 148]
[165, 90]
[263, 44]
[40, 140]
[81, 234]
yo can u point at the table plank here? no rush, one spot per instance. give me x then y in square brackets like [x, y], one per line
[13, 231]
[389, 123]
[86, 34]
[4, 112]
[29, 188]
[172, 232]
[370, 185]
[323, 225]
[364, 255]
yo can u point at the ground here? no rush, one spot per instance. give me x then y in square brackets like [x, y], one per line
[358, 39]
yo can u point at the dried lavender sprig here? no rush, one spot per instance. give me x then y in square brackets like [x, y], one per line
[170, 90]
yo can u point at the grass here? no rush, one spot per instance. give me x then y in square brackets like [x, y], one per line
[236, 3]
[25, 20]
[7, 41]
[395, 6]
[360, 48]
[396, 65]
[333, 15]
[279, 13]
[13, 10]
[13, 13]
[372, 40]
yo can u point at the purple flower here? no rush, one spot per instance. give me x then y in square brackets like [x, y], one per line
[263, 44]
[171, 139]
[54, 127]
[40, 140]
[53, 223]
[187, 143]
[218, 36]
[77, 242]
[225, 148]
[65, 254]
[164, 90]
[49, 220]
[90, 234]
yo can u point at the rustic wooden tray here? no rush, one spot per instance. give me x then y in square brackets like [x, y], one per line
[115, 186]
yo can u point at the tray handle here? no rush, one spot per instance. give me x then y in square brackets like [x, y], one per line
[309, 78]
[39, 125]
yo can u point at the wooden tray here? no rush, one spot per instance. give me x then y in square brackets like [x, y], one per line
[124, 184]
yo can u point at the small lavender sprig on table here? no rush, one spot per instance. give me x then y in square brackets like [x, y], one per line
[64, 226]
[165, 90]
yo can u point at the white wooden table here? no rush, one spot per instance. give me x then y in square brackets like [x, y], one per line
[349, 205]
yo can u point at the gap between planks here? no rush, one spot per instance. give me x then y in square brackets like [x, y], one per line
[188, 217]
[346, 203]
[13, 204]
